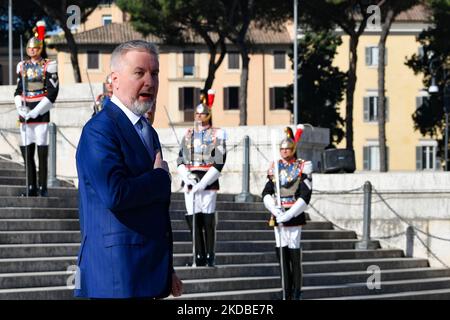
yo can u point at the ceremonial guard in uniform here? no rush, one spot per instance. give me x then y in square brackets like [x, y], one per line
[37, 88]
[288, 217]
[201, 159]
[103, 98]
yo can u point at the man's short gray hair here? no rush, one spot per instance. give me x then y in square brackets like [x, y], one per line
[133, 45]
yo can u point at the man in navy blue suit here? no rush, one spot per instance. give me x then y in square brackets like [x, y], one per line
[124, 189]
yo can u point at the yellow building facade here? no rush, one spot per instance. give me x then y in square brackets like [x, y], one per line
[183, 71]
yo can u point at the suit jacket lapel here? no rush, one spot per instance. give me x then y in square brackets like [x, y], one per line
[126, 128]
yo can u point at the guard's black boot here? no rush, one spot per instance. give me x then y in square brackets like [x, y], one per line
[200, 256]
[295, 256]
[209, 220]
[43, 163]
[210, 259]
[286, 270]
[28, 158]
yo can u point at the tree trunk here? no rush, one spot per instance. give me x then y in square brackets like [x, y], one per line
[73, 53]
[350, 90]
[243, 88]
[213, 64]
[381, 105]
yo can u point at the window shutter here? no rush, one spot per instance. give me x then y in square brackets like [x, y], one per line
[225, 99]
[196, 97]
[272, 98]
[181, 99]
[368, 56]
[386, 108]
[419, 102]
[238, 100]
[387, 158]
[366, 103]
[366, 158]
[418, 158]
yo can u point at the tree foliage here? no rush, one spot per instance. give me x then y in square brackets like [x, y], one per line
[434, 59]
[320, 84]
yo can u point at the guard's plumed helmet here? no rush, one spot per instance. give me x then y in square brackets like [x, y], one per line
[206, 103]
[290, 141]
[38, 40]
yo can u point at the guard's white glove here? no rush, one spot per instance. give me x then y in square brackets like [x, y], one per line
[23, 112]
[211, 175]
[42, 107]
[184, 174]
[298, 207]
[269, 203]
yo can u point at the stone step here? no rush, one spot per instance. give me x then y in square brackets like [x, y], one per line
[71, 249]
[386, 287]
[18, 237]
[59, 192]
[320, 279]
[269, 245]
[230, 270]
[72, 213]
[225, 205]
[20, 181]
[363, 264]
[10, 165]
[38, 213]
[35, 279]
[39, 224]
[39, 250]
[39, 293]
[256, 294]
[19, 173]
[184, 235]
[38, 202]
[38, 264]
[230, 284]
[251, 225]
[440, 294]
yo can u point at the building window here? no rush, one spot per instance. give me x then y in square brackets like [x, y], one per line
[93, 60]
[371, 109]
[188, 98]
[372, 56]
[371, 158]
[188, 63]
[279, 60]
[233, 60]
[106, 19]
[278, 98]
[231, 98]
[426, 157]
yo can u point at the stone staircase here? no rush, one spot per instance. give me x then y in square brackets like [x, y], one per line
[39, 241]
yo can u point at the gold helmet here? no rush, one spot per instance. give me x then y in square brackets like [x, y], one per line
[38, 40]
[206, 103]
[290, 141]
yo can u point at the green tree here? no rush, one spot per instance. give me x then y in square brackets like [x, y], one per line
[434, 59]
[389, 9]
[321, 85]
[176, 21]
[214, 21]
[57, 10]
[351, 16]
[239, 16]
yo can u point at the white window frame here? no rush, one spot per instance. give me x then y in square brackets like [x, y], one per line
[431, 149]
[106, 17]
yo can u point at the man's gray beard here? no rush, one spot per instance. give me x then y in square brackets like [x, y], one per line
[141, 108]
